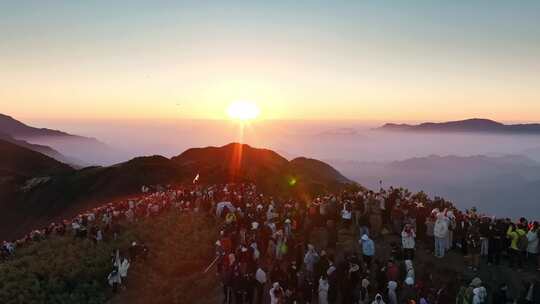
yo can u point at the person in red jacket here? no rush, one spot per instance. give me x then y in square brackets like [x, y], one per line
[392, 271]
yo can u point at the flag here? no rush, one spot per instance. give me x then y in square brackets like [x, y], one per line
[196, 179]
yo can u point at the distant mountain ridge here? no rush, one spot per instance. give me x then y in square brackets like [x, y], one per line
[36, 189]
[73, 149]
[503, 185]
[17, 129]
[478, 125]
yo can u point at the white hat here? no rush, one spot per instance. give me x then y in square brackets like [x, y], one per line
[254, 226]
[476, 282]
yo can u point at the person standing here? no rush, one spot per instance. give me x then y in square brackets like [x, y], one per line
[408, 236]
[392, 294]
[474, 245]
[364, 292]
[323, 289]
[484, 231]
[440, 232]
[375, 216]
[260, 282]
[310, 259]
[516, 234]
[276, 294]
[368, 250]
[495, 237]
[532, 246]
[123, 269]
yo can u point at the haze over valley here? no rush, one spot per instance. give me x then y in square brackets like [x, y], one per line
[483, 169]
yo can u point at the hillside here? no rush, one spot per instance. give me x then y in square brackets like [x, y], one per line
[67, 270]
[19, 162]
[50, 152]
[34, 201]
[67, 193]
[475, 125]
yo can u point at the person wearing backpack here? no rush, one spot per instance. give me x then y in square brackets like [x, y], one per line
[518, 244]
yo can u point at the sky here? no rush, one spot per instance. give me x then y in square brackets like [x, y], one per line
[317, 60]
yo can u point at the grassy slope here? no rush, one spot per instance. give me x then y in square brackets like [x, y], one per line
[63, 270]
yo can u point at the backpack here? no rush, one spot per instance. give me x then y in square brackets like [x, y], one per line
[283, 248]
[522, 242]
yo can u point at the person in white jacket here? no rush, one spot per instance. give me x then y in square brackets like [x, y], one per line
[123, 268]
[323, 290]
[392, 295]
[408, 236]
[440, 233]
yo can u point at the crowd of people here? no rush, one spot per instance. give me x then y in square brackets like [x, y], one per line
[271, 250]
[284, 250]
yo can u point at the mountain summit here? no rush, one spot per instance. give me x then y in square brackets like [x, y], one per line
[474, 125]
[34, 196]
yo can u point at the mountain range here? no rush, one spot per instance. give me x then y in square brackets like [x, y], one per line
[500, 185]
[76, 150]
[36, 189]
[469, 125]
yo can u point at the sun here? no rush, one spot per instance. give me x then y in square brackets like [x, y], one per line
[243, 110]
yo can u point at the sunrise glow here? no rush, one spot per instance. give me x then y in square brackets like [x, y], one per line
[243, 110]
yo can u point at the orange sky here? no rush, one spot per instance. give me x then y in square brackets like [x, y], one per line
[361, 61]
